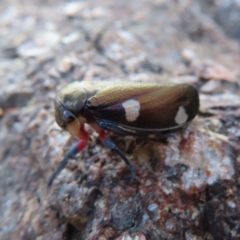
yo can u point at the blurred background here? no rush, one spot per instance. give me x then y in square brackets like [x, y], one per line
[44, 45]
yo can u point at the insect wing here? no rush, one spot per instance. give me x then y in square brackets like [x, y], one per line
[145, 106]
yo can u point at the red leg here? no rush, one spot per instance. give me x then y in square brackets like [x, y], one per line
[83, 136]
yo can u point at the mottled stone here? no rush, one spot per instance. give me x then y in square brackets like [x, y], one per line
[189, 182]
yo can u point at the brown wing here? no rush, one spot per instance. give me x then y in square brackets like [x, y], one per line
[145, 106]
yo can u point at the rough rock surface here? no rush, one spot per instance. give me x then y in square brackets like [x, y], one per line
[189, 183]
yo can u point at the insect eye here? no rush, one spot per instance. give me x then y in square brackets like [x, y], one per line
[68, 116]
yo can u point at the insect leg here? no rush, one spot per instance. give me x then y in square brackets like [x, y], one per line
[114, 127]
[71, 154]
[165, 135]
[111, 145]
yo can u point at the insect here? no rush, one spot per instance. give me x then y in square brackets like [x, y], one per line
[130, 108]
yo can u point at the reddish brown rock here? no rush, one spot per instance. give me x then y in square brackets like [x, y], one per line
[189, 183]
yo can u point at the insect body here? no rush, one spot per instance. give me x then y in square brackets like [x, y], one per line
[129, 108]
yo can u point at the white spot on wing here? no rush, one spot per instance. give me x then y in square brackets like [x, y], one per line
[181, 116]
[132, 108]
